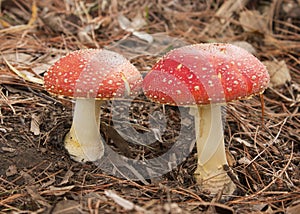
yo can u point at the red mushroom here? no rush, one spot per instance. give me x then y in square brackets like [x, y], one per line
[90, 76]
[206, 76]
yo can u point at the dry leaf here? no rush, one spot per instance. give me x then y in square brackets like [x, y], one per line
[26, 76]
[17, 57]
[134, 26]
[125, 23]
[57, 191]
[12, 170]
[127, 205]
[253, 21]
[35, 124]
[36, 65]
[279, 72]
[8, 149]
[143, 36]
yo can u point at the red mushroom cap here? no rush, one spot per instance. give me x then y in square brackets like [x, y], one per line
[93, 73]
[205, 73]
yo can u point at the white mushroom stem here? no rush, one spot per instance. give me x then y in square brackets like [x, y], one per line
[211, 150]
[84, 142]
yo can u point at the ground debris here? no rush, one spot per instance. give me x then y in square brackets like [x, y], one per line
[279, 72]
[38, 176]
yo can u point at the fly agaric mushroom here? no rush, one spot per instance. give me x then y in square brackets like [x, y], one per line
[90, 76]
[206, 76]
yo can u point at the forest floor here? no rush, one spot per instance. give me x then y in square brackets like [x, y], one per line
[38, 176]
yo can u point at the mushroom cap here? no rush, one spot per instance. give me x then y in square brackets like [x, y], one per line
[202, 74]
[93, 73]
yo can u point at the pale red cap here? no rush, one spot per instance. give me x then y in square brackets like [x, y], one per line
[204, 74]
[93, 73]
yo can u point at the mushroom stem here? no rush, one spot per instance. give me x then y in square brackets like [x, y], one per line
[211, 151]
[84, 142]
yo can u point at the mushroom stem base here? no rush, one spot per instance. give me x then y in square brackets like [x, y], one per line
[214, 181]
[84, 142]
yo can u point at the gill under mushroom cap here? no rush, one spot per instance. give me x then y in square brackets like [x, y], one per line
[93, 73]
[204, 74]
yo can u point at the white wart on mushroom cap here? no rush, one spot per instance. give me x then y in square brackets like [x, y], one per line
[205, 73]
[93, 73]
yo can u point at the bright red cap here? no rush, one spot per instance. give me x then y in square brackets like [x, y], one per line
[93, 73]
[205, 73]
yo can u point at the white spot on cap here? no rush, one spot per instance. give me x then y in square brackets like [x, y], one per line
[179, 66]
